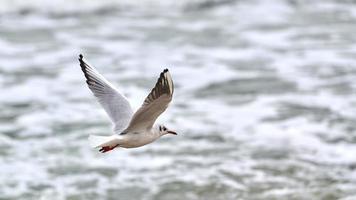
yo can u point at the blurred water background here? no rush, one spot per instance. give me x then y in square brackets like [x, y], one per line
[264, 102]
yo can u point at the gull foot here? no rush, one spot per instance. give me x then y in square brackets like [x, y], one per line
[107, 148]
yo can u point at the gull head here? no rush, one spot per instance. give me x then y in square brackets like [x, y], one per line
[163, 130]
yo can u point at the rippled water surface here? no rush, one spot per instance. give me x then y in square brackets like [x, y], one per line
[264, 101]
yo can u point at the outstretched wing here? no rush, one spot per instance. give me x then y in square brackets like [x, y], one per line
[115, 104]
[155, 103]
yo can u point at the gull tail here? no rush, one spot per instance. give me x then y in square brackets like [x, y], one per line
[96, 141]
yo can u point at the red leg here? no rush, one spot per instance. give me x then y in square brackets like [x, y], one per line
[107, 148]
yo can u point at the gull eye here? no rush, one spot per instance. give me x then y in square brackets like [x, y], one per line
[164, 128]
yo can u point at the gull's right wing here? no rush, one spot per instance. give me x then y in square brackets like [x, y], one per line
[115, 104]
[155, 103]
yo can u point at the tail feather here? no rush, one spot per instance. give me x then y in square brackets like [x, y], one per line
[96, 141]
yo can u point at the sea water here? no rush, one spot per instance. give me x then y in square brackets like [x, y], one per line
[264, 103]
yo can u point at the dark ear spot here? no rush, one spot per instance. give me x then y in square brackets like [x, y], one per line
[160, 128]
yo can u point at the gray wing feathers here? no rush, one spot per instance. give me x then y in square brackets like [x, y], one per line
[163, 86]
[114, 103]
[155, 103]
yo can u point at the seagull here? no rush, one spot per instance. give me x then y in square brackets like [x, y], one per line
[130, 129]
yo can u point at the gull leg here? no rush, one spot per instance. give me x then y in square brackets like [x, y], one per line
[107, 148]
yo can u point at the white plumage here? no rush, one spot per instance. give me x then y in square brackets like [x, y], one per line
[131, 130]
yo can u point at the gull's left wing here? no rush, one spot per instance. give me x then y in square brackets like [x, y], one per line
[114, 103]
[155, 103]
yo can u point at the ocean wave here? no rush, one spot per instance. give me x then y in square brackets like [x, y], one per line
[84, 6]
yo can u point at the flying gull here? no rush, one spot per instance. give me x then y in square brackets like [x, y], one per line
[130, 129]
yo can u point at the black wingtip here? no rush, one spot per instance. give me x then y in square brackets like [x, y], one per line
[80, 57]
[164, 71]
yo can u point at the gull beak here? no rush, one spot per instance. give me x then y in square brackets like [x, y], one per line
[172, 132]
